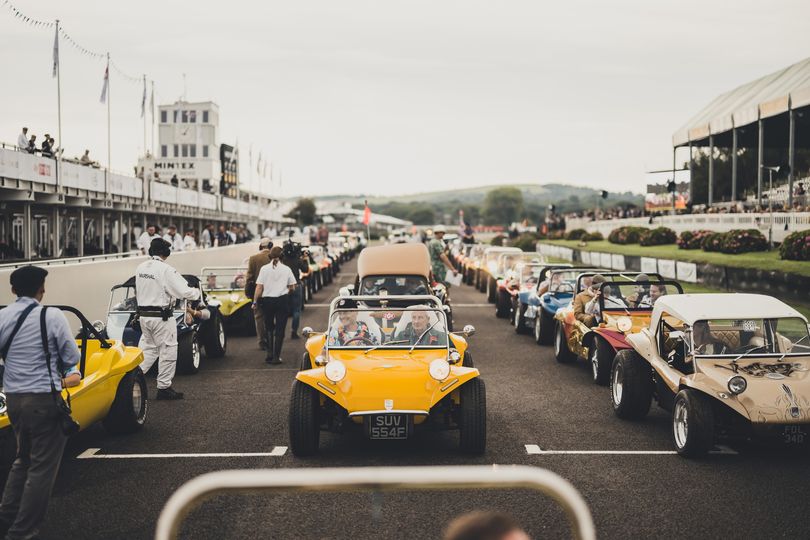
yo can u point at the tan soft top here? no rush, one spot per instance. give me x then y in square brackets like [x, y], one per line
[397, 259]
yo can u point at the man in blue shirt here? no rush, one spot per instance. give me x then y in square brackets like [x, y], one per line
[31, 407]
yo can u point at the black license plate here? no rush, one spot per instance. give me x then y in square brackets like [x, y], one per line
[388, 426]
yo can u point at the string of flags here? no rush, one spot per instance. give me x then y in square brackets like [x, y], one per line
[23, 17]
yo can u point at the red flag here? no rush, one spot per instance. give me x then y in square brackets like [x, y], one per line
[366, 215]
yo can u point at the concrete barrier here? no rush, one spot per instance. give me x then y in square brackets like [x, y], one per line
[86, 285]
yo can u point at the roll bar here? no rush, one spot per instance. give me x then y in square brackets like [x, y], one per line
[318, 480]
[421, 299]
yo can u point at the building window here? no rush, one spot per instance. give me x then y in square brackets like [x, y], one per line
[164, 150]
[184, 116]
[205, 117]
[164, 117]
[184, 150]
[192, 117]
[176, 150]
[205, 150]
[176, 116]
[192, 150]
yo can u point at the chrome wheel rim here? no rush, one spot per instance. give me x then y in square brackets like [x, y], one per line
[221, 334]
[595, 361]
[537, 329]
[517, 317]
[558, 342]
[617, 387]
[137, 402]
[680, 423]
[195, 354]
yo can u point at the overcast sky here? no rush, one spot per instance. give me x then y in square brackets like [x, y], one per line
[390, 97]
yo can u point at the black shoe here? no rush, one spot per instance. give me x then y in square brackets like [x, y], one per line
[269, 360]
[169, 394]
[294, 335]
[277, 361]
[262, 346]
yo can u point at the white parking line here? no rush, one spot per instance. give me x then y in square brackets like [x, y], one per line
[92, 453]
[533, 449]
[473, 305]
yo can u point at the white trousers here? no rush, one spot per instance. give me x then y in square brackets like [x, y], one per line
[159, 340]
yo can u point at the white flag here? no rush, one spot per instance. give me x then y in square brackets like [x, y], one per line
[106, 83]
[152, 100]
[55, 52]
[259, 163]
[143, 99]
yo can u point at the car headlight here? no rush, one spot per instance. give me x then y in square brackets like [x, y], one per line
[624, 324]
[335, 370]
[99, 326]
[454, 357]
[439, 369]
[234, 297]
[737, 385]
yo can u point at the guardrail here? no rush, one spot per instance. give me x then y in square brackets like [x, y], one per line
[195, 491]
[71, 260]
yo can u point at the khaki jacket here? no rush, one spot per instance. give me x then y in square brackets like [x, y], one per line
[255, 264]
[580, 301]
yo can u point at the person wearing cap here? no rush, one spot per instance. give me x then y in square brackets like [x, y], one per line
[255, 264]
[28, 383]
[439, 262]
[586, 303]
[273, 287]
[173, 238]
[157, 285]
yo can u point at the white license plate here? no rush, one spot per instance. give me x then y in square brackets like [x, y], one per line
[388, 426]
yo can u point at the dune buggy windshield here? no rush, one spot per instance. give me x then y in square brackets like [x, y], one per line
[744, 337]
[563, 281]
[223, 279]
[394, 285]
[639, 296]
[384, 328]
[528, 275]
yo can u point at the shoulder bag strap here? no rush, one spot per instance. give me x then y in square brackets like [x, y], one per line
[20, 321]
[44, 334]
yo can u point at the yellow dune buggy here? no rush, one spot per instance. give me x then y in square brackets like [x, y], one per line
[387, 371]
[112, 389]
[224, 287]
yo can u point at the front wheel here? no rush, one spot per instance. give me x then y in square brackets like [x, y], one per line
[520, 318]
[188, 353]
[128, 411]
[216, 342]
[304, 428]
[600, 356]
[543, 327]
[631, 386]
[473, 417]
[503, 305]
[692, 423]
[561, 351]
[492, 290]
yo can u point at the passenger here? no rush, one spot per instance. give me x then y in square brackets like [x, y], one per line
[417, 333]
[642, 291]
[238, 281]
[657, 290]
[211, 281]
[586, 303]
[612, 301]
[705, 342]
[350, 331]
[484, 526]
[549, 284]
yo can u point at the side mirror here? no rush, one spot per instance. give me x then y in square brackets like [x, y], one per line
[469, 330]
[344, 291]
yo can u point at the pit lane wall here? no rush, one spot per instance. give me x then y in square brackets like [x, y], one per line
[782, 285]
[86, 285]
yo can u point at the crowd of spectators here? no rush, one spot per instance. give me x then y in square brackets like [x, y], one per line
[47, 148]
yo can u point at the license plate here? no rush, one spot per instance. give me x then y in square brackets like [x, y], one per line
[388, 426]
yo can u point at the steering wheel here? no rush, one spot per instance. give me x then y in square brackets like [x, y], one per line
[748, 348]
[364, 339]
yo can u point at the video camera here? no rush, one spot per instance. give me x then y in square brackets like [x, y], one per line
[292, 250]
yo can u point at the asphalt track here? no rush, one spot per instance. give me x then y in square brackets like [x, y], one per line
[238, 405]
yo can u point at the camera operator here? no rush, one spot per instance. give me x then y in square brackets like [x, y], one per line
[273, 286]
[293, 257]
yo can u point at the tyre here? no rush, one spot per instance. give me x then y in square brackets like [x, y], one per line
[543, 327]
[467, 361]
[188, 353]
[216, 341]
[304, 429]
[492, 290]
[503, 305]
[600, 356]
[8, 453]
[128, 411]
[306, 363]
[480, 281]
[246, 322]
[520, 318]
[450, 321]
[473, 417]
[631, 386]
[561, 351]
[692, 423]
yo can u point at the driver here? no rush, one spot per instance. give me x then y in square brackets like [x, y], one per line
[238, 281]
[350, 330]
[657, 290]
[611, 301]
[705, 342]
[417, 333]
[211, 281]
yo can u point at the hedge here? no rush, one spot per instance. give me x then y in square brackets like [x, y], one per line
[743, 241]
[713, 242]
[657, 237]
[692, 239]
[592, 237]
[626, 235]
[526, 242]
[575, 234]
[796, 246]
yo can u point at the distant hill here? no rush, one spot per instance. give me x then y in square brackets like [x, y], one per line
[532, 193]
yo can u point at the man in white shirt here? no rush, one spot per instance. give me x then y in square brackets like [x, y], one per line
[189, 244]
[207, 237]
[269, 232]
[145, 240]
[22, 140]
[174, 239]
[273, 285]
[157, 285]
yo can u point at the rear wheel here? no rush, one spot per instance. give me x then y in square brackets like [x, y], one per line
[561, 351]
[216, 341]
[473, 417]
[543, 327]
[188, 354]
[128, 411]
[600, 356]
[492, 290]
[631, 386]
[520, 318]
[503, 304]
[304, 428]
[692, 423]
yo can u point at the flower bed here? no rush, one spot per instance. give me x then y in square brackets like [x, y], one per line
[658, 237]
[743, 241]
[692, 239]
[796, 246]
[626, 235]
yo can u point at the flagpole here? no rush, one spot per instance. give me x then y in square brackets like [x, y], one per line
[143, 110]
[58, 109]
[109, 139]
[152, 107]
